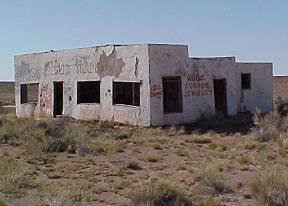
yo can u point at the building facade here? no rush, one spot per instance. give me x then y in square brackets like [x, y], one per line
[147, 84]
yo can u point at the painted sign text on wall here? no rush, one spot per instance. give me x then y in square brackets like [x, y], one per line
[80, 67]
[155, 91]
[197, 85]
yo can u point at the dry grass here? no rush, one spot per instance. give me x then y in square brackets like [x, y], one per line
[211, 174]
[133, 164]
[151, 157]
[104, 163]
[12, 178]
[272, 187]
[159, 192]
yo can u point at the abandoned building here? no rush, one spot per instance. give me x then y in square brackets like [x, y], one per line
[145, 84]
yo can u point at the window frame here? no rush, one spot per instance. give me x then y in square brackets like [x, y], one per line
[78, 92]
[25, 86]
[178, 80]
[133, 82]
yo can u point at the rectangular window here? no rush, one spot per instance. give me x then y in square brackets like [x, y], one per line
[88, 92]
[29, 93]
[172, 95]
[246, 81]
[126, 93]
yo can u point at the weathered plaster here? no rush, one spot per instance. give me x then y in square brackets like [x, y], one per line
[146, 64]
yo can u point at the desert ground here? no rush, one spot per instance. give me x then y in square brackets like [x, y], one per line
[235, 161]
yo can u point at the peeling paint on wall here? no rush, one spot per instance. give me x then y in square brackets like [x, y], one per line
[45, 99]
[147, 64]
[110, 65]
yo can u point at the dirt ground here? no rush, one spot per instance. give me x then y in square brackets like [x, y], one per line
[176, 154]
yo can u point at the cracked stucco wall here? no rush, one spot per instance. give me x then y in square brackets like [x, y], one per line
[261, 92]
[197, 75]
[146, 64]
[105, 63]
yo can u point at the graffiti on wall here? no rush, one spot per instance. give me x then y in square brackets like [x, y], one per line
[156, 91]
[197, 85]
[46, 98]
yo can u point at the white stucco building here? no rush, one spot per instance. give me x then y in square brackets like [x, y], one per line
[146, 84]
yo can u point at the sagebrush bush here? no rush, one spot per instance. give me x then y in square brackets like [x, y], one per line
[271, 188]
[12, 179]
[133, 164]
[159, 192]
[14, 128]
[182, 152]
[282, 107]
[151, 157]
[244, 159]
[201, 139]
[2, 203]
[211, 174]
[209, 201]
[269, 127]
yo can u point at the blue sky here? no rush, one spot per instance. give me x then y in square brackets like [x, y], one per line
[251, 30]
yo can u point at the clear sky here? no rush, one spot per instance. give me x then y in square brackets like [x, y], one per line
[251, 30]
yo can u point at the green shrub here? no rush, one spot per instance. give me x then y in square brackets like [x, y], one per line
[122, 134]
[159, 192]
[209, 201]
[182, 152]
[120, 171]
[151, 157]
[283, 151]
[157, 146]
[2, 203]
[244, 159]
[213, 146]
[272, 188]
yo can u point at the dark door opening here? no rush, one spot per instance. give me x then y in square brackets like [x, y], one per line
[58, 99]
[220, 96]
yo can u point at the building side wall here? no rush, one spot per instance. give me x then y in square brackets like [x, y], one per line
[105, 64]
[261, 93]
[197, 76]
[197, 83]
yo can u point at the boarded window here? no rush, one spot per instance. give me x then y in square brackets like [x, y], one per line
[126, 93]
[88, 92]
[29, 93]
[172, 95]
[246, 81]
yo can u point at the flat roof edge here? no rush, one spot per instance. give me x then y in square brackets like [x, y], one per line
[97, 46]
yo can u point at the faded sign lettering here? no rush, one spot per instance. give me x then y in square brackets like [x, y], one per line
[80, 67]
[155, 91]
[197, 86]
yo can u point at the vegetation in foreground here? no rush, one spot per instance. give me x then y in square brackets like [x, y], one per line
[66, 162]
[91, 161]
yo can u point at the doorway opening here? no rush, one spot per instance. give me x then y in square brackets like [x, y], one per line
[220, 95]
[58, 99]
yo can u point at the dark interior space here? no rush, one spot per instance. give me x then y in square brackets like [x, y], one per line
[220, 96]
[88, 92]
[126, 93]
[246, 81]
[29, 93]
[172, 95]
[58, 98]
